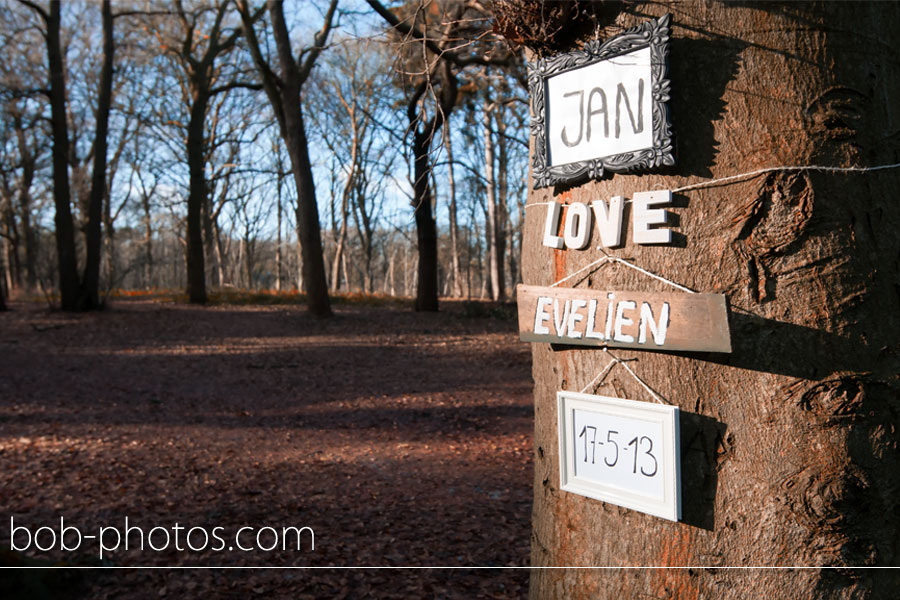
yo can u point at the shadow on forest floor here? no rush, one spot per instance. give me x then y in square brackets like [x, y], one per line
[399, 438]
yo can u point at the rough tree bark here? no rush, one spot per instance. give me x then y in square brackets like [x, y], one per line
[789, 445]
[76, 293]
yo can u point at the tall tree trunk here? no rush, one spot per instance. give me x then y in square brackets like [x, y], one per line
[299, 254]
[196, 268]
[207, 219]
[221, 256]
[249, 261]
[503, 221]
[426, 227]
[89, 296]
[293, 131]
[339, 246]
[148, 241]
[66, 257]
[109, 242]
[28, 156]
[492, 226]
[278, 240]
[10, 238]
[313, 263]
[454, 229]
[789, 446]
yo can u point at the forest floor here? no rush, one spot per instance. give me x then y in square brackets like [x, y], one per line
[400, 439]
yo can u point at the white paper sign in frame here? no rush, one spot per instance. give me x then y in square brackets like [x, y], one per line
[608, 89]
[621, 451]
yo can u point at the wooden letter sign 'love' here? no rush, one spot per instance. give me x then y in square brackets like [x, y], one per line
[643, 320]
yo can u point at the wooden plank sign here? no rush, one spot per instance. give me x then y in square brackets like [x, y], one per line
[643, 320]
[620, 451]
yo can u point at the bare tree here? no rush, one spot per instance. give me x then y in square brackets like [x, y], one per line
[65, 233]
[435, 51]
[352, 105]
[77, 293]
[452, 214]
[19, 164]
[199, 40]
[283, 87]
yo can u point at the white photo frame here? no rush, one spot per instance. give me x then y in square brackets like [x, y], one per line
[620, 451]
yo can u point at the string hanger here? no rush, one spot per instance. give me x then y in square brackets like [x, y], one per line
[609, 258]
[758, 172]
[615, 360]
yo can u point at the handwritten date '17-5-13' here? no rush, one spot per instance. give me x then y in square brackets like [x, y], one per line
[640, 447]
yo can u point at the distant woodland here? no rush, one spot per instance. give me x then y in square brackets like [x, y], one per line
[322, 146]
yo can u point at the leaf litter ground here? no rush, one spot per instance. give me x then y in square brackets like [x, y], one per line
[401, 439]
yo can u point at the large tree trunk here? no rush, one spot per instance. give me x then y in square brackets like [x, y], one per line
[65, 232]
[196, 268]
[89, 296]
[426, 227]
[293, 131]
[789, 445]
[307, 213]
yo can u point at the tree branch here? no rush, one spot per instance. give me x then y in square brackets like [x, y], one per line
[43, 13]
[270, 80]
[415, 33]
[319, 40]
[235, 85]
[404, 28]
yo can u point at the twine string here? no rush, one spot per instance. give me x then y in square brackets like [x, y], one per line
[758, 172]
[615, 360]
[608, 258]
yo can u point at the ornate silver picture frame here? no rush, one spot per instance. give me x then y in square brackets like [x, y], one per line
[603, 108]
